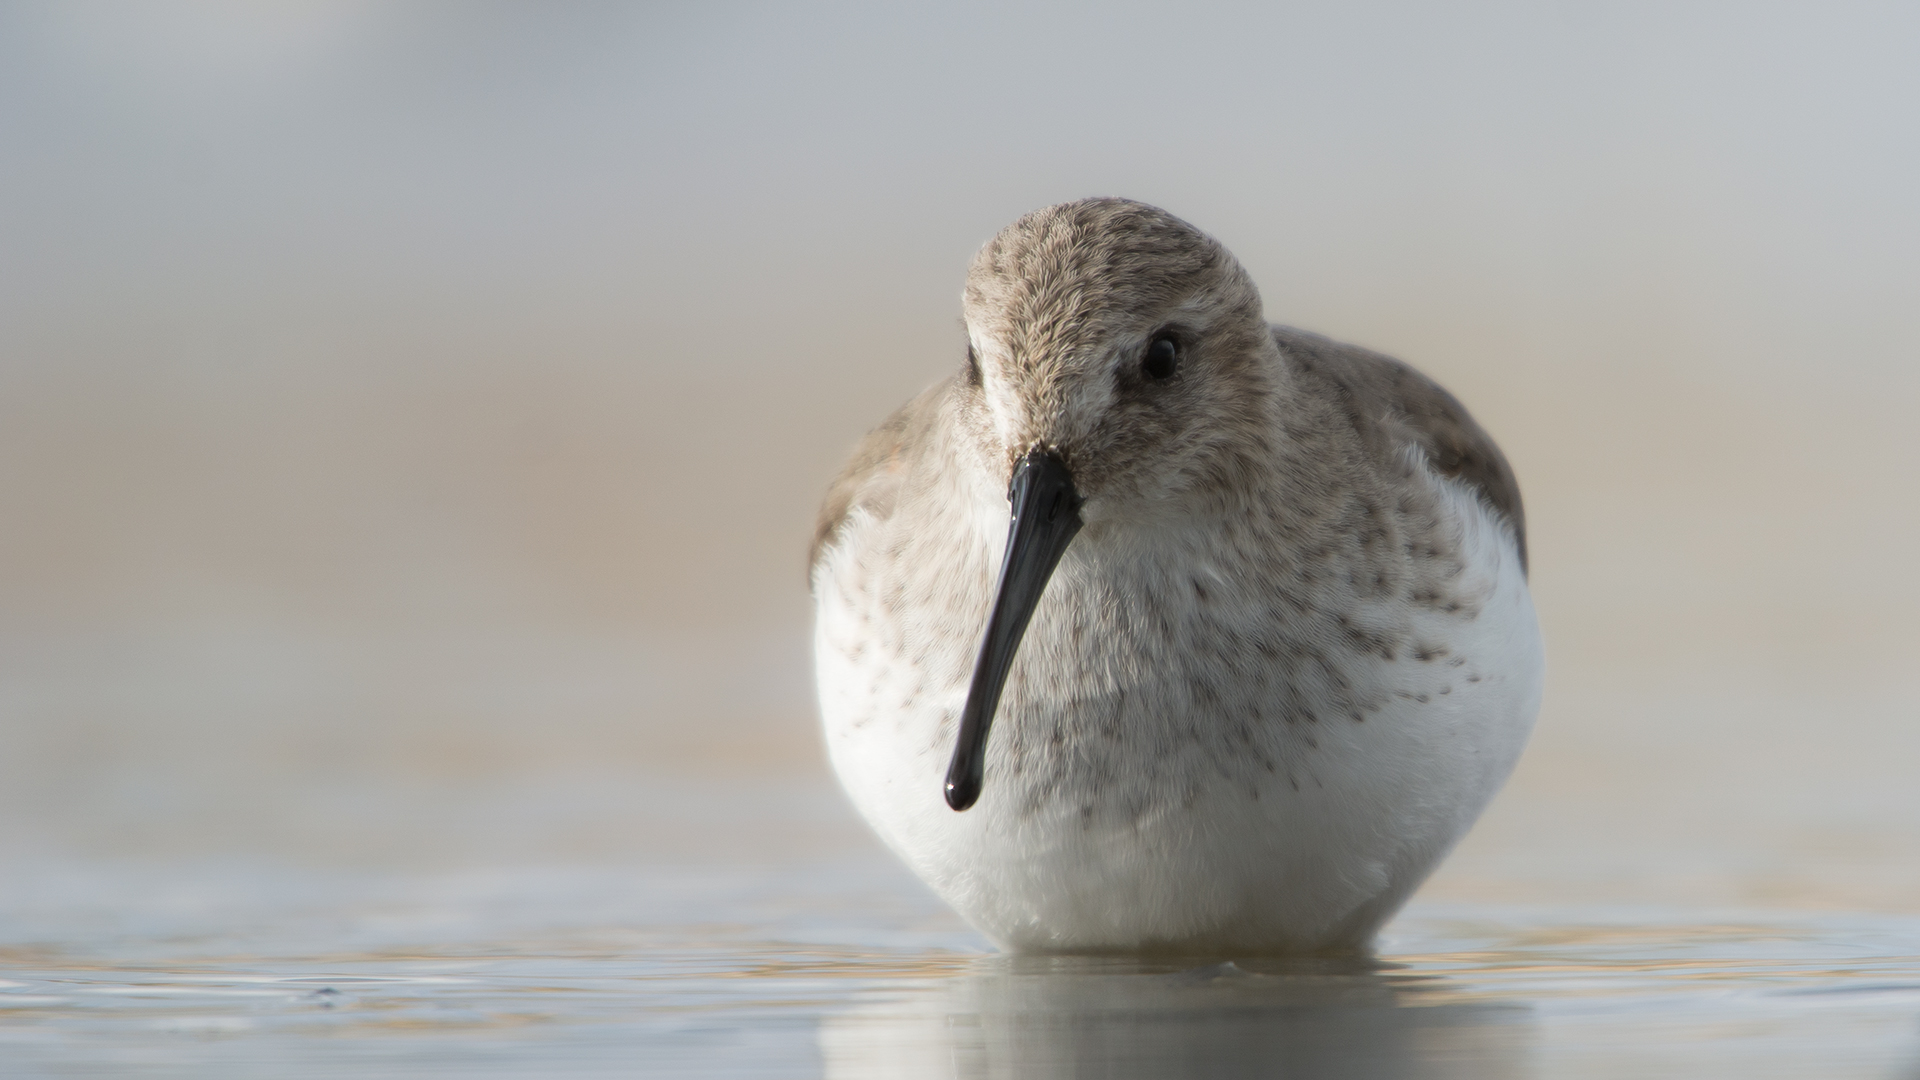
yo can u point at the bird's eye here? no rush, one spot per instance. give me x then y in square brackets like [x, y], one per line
[1163, 355]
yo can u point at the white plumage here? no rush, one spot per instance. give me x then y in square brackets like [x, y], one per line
[1276, 675]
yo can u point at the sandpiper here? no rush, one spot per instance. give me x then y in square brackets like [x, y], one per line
[1158, 628]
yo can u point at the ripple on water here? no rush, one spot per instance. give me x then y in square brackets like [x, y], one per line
[851, 972]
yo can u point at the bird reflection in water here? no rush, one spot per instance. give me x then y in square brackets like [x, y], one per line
[1028, 1016]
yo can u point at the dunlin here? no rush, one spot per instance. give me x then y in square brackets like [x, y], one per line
[1158, 628]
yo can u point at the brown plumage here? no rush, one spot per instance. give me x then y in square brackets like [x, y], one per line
[1156, 626]
[1389, 404]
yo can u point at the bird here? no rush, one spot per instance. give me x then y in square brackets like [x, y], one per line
[1156, 628]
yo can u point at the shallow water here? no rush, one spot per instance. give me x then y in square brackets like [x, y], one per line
[837, 964]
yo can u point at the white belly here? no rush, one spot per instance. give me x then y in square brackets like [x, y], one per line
[1129, 806]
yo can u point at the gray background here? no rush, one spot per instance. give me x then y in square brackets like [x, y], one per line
[412, 416]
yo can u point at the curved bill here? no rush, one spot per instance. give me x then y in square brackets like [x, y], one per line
[1046, 515]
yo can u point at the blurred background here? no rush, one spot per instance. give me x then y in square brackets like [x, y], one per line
[412, 416]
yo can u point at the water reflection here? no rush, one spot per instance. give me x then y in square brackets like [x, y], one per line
[545, 972]
[1017, 1017]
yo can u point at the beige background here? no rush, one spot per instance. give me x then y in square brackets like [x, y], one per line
[411, 417]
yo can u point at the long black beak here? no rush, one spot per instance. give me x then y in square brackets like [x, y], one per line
[1046, 515]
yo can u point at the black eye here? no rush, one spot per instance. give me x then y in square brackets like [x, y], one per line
[1163, 355]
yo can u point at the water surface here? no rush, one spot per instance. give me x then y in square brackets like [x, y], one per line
[829, 960]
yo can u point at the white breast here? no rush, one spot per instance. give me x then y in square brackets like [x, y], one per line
[1131, 803]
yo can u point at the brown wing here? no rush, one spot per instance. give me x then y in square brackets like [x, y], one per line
[880, 457]
[1382, 394]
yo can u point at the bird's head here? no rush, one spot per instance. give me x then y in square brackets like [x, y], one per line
[1118, 360]
[1119, 337]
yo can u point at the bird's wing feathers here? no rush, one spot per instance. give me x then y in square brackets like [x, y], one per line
[1388, 400]
[870, 479]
